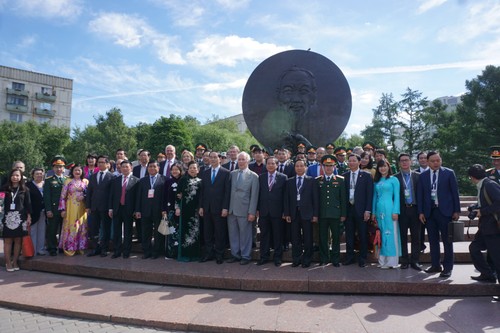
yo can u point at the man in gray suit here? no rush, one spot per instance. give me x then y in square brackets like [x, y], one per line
[242, 210]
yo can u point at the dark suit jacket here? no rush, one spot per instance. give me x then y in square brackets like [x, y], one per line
[150, 207]
[115, 194]
[253, 166]
[289, 170]
[414, 178]
[487, 222]
[215, 197]
[227, 165]
[363, 192]
[447, 193]
[136, 171]
[97, 198]
[37, 204]
[163, 163]
[271, 202]
[309, 198]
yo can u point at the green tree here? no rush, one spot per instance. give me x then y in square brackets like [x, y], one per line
[411, 110]
[172, 130]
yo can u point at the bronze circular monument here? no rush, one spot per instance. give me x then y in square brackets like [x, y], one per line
[296, 96]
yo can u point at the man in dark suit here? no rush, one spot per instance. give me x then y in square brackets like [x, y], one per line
[272, 186]
[97, 201]
[232, 155]
[122, 199]
[141, 170]
[258, 166]
[214, 208]
[359, 187]
[488, 234]
[301, 208]
[148, 208]
[438, 203]
[408, 219]
[169, 161]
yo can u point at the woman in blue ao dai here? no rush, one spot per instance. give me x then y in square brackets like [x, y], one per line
[386, 212]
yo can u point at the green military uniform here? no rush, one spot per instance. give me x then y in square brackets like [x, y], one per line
[341, 166]
[51, 194]
[332, 206]
[494, 173]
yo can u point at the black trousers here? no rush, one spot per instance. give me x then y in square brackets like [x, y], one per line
[121, 218]
[215, 235]
[302, 239]
[101, 228]
[271, 229]
[491, 243]
[353, 224]
[408, 220]
[149, 228]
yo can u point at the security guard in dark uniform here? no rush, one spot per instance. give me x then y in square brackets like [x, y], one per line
[332, 210]
[340, 154]
[51, 195]
[494, 173]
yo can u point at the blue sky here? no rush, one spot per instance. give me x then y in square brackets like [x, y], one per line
[156, 57]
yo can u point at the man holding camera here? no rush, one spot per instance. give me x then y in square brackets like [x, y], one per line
[488, 235]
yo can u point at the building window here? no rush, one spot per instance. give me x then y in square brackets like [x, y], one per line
[18, 86]
[47, 91]
[43, 120]
[46, 106]
[17, 100]
[17, 118]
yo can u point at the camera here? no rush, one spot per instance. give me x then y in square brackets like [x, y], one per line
[472, 211]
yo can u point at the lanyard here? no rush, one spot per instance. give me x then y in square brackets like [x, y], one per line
[14, 195]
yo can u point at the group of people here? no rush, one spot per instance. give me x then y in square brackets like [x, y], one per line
[308, 201]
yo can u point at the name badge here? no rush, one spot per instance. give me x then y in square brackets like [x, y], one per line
[434, 194]
[407, 193]
[12, 206]
[298, 196]
[151, 193]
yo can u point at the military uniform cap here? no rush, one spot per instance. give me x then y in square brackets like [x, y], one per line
[58, 160]
[495, 152]
[311, 149]
[330, 146]
[201, 146]
[328, 160]
[369, 145]
[301, 145]
[348, 151]
[340, 151]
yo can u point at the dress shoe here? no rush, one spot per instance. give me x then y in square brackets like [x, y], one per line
[415, 266]
[496, 299]
[295, 264]
[232, 259]
[362, 264]
[116, 255]
[54, 253]
[336, 264]
[9, 269]
[91, 254]
[146, 256]
[306, 265]
[205, 259]
[126, 256]
[104, 254]
[404, 266]
[261, 262]
[277, 263]
[155, 256]
[348, 262]
[484, 278]
[433, 269]
[244, 262]
[445, 274]
[321, 263]
[219, 261]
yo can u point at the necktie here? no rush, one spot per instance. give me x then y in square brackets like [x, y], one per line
[213, 176]
[434, 177]
[153, 179]
[271, 181]
[353, 180]
[321, 171]
[124, 187]
[101, 176]
[281, 168]
[232, 166]
[167, 172]
[240, 176]
[299, 183]
[328, 178]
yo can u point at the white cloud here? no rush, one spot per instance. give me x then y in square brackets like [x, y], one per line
[48, 9]
[229, 50]
[183, 13]
[27, 41]
[131, 31]
[428, 5]
[232, 4]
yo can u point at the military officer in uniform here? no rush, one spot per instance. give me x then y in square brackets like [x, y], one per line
[51, 195]
[340, 154]
[332, 210]
[369, 147]
[200, 149]
[311, 156]
[494, 173]
[301, 148]
[330, 149]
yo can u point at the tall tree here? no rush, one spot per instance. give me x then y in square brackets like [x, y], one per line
[411, 110]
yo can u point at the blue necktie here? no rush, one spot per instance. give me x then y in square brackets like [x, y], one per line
[213, 175]
[299, 184]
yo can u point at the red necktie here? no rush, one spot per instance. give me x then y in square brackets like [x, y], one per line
[124, 188]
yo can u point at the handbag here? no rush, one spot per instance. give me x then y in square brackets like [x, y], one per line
[455, 231]
[28, 248]
[163, 228]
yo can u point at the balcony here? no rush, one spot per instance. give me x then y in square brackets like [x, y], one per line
[17, 108]
[45, 112]
[45, 97]
[17, 92]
